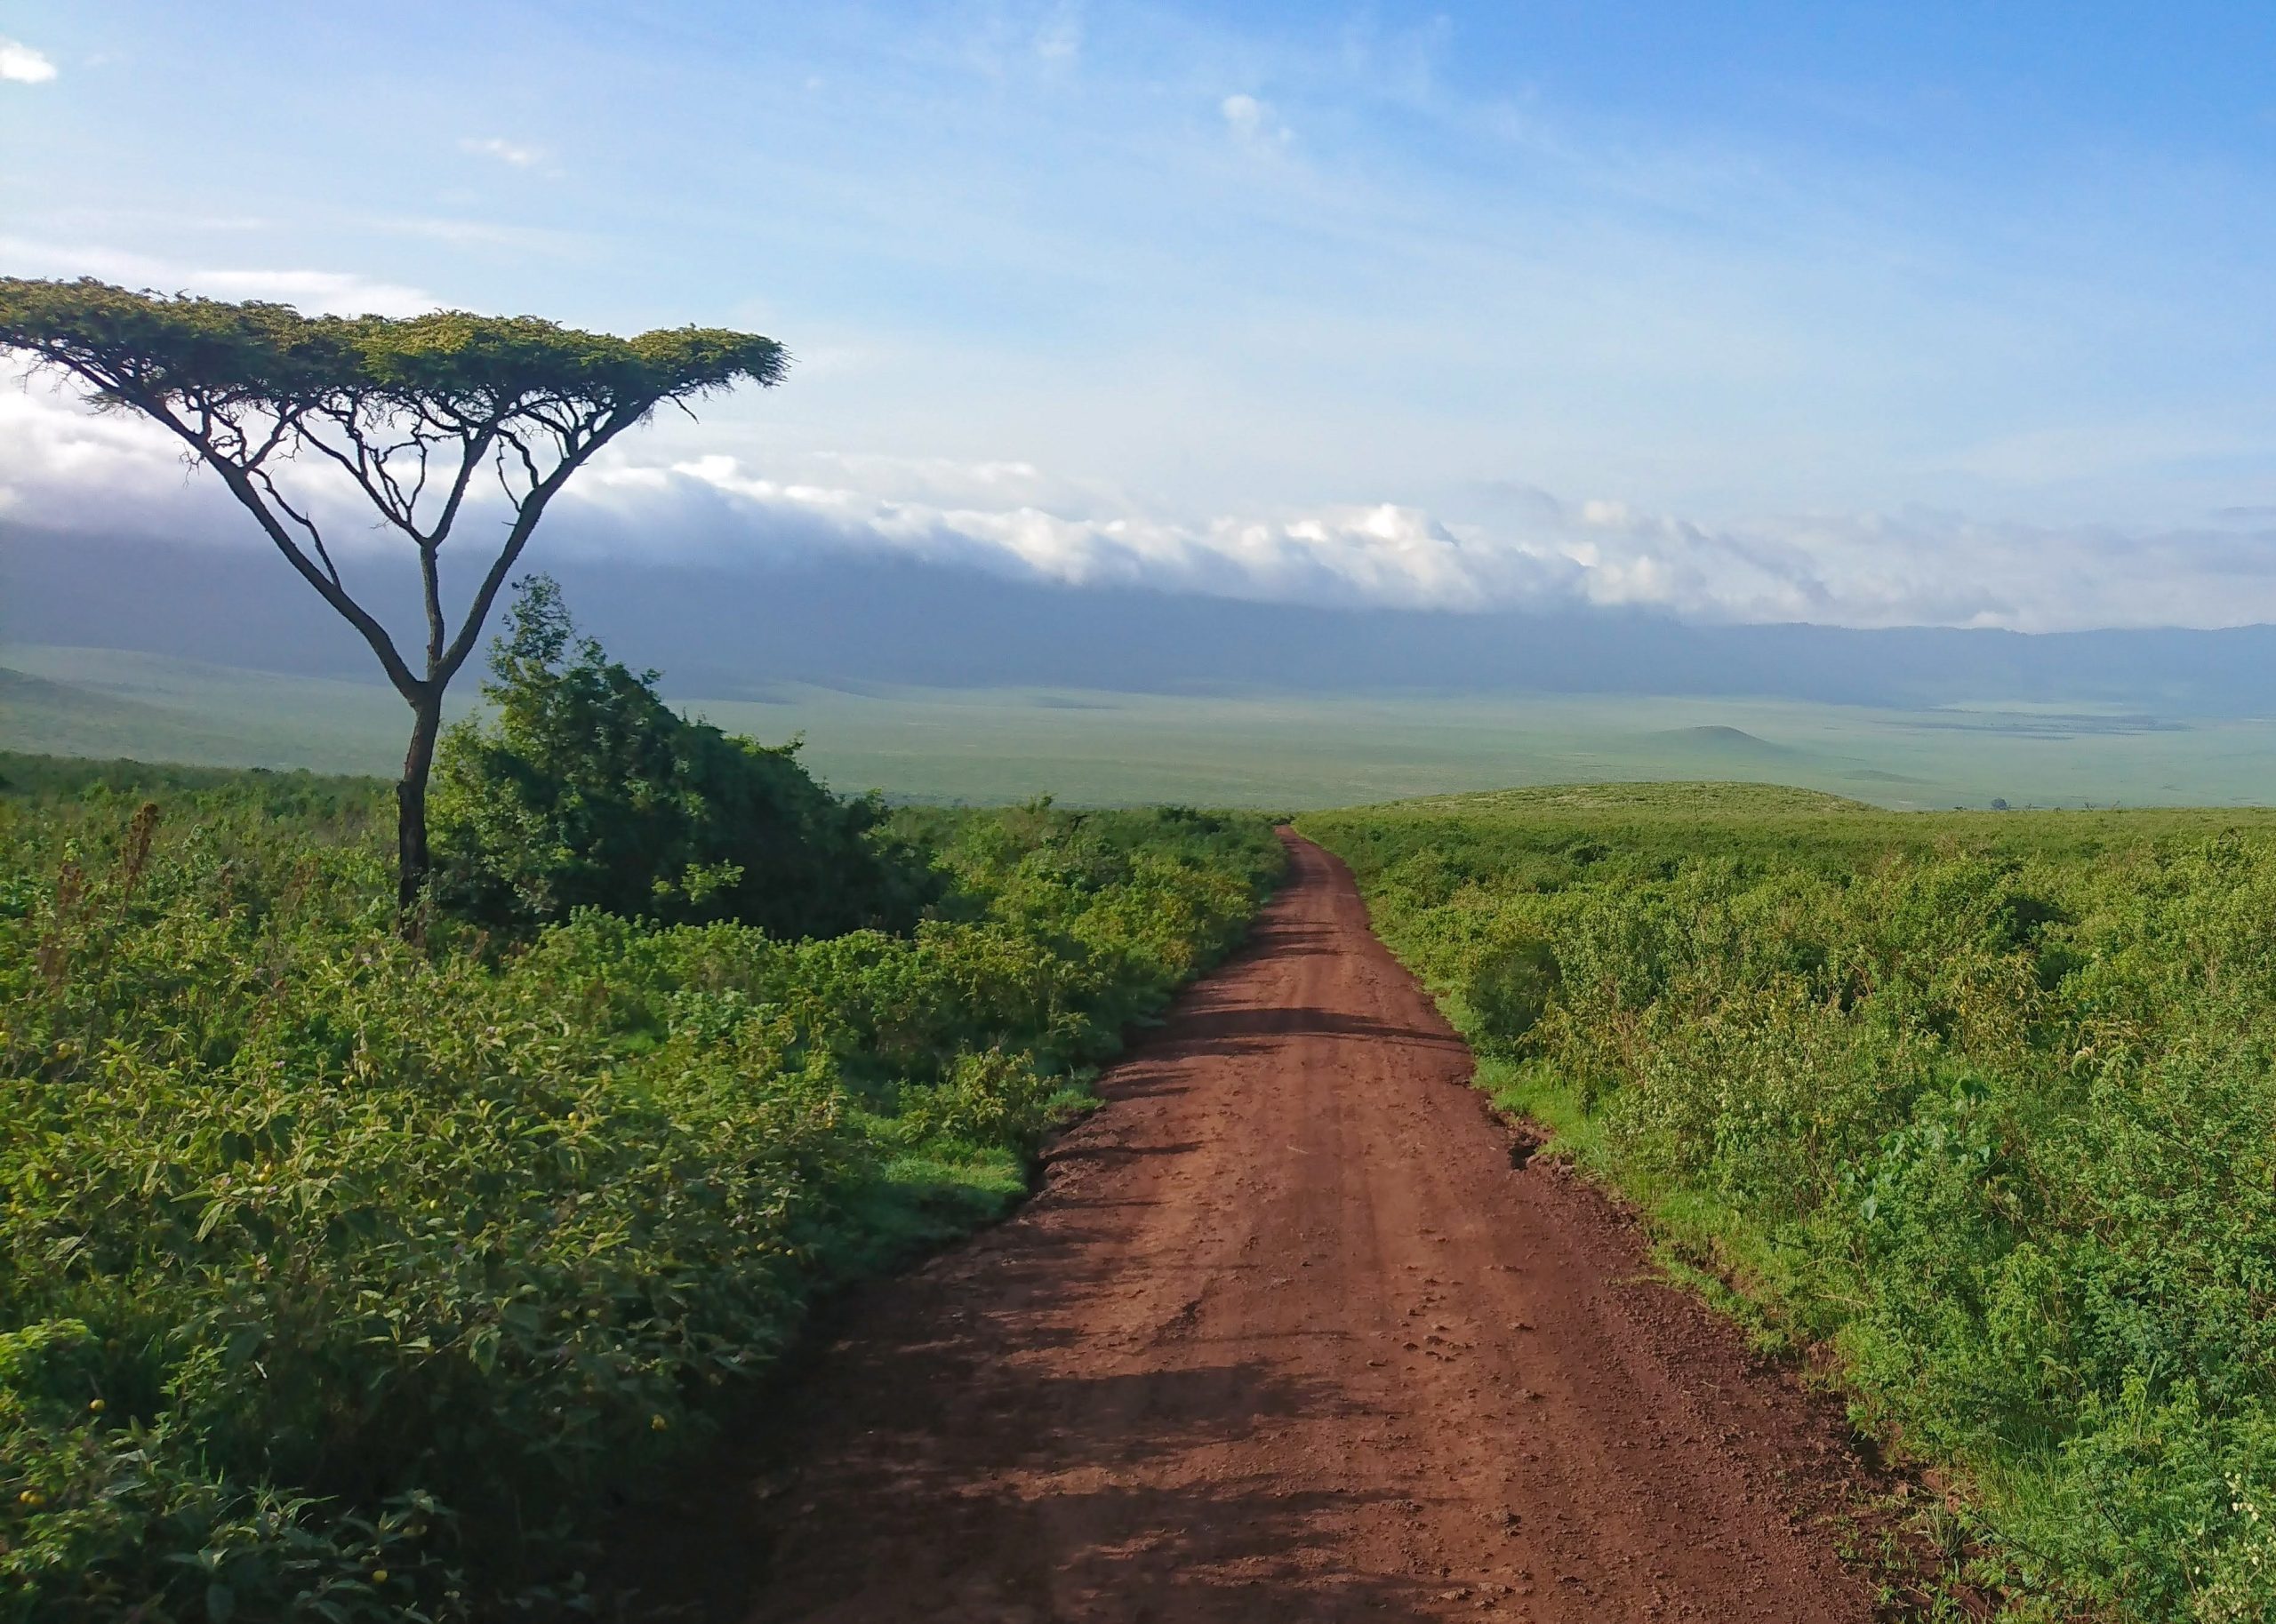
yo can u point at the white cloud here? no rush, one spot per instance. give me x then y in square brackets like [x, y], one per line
[63, 466]
[1911, 568]
[314, 291]
[1254, 124]
[22, 65]
[519, 154]
[338, 292]
[66, 468]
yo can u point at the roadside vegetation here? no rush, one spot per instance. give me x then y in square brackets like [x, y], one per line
[344, 1277]
[1982, 1105]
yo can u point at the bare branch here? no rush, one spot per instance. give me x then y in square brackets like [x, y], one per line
[324, 580]
[477, 450]
[269, 487]
[286, 423]
[357, 463]
[604, 428]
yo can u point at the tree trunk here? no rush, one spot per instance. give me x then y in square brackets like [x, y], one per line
[411, 814]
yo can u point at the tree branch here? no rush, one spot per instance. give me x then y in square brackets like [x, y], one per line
[605, 429]
[384, 495]
[268, 485]
[330, 589]
[430, 587]
[477, 449]
[240, 482]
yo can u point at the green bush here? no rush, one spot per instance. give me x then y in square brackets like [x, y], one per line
[344, 1280]
[584, 789]
[989, 1098]
[1508, 989]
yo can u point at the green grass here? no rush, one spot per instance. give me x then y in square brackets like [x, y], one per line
[996, 746]
[1981, 1105]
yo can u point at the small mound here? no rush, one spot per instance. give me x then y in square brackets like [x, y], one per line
[1717, 736]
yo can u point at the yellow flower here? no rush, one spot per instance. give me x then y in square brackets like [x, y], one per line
[657, 1423]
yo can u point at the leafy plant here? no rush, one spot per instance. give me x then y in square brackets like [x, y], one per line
[584, 789]
[343, 1279]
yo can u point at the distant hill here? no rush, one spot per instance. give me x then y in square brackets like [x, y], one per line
[62, 719]
[733, 630]
[101, 703]
[1720, 740]
[1675, 799]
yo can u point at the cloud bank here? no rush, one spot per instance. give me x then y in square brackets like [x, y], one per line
[64, 468]
[1912, 568]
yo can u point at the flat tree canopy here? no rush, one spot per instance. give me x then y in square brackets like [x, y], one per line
[412, 411]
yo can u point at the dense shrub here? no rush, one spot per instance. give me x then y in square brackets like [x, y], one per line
[342, 1280]
[582, 788]
[1508, 987]
[1986, 1103]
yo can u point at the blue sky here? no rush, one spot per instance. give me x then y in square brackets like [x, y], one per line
[1854, 313]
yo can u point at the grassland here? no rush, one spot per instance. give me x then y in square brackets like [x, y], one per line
[1981, 1105]
[982, 746]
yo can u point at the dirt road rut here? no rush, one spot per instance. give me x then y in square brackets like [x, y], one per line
[1286, 1335]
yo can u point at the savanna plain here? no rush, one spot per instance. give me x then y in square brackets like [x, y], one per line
[354, 1277]
[1267, 750]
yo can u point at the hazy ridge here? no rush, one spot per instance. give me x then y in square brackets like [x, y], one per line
[727, 632]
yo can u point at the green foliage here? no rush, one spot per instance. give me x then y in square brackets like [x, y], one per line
[134, 348]
[1509, 988]
[341, 1279]
[583, 789]
[1984, 1103]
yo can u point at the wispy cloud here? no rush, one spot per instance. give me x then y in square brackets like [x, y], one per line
[520, 154]
[1060, 37]
[460, 232]
[332, 293]
[21, 65]
[1254, 124]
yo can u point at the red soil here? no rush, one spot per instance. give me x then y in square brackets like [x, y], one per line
[1292, 1330]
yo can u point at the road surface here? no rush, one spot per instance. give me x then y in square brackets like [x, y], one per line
[1292, 1330]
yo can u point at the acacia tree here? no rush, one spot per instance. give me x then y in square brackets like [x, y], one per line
[415, 414]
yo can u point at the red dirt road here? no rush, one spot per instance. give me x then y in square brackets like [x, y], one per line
[1285, 1335]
